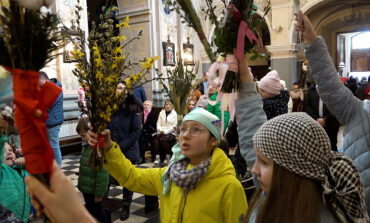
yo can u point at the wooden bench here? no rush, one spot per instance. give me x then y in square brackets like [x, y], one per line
[70, 144]
[111, 205]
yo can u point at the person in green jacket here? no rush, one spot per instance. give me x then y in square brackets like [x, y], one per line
[13, 194]
[215, 109]
[93, 184]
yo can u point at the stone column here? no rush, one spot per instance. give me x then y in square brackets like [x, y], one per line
[284, 60]
[143, 15]
[282, 48]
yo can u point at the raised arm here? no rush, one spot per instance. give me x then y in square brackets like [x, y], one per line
[249, 110]
[339, 100]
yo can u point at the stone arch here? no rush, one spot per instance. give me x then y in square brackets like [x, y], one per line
[334, 11]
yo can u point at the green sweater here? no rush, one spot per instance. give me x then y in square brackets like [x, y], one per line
[217, 111]
[90, 181]
[13, 194]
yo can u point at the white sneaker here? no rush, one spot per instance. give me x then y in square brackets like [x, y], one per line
[167, 160]
[157, 159]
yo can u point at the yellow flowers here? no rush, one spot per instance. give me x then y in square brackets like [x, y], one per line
[99, 75]
[118, 51]
[119, 38]
[149, 63]
[97, 58]
[125, 23]
[78, 54]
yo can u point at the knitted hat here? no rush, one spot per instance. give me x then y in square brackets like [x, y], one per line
[271, 83]
[209, 120]
[299, 144]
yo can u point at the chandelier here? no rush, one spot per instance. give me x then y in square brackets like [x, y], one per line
[352, 18]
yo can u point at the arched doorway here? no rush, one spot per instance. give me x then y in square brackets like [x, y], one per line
[337, 21]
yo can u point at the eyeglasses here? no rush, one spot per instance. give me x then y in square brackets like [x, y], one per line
[194, 131]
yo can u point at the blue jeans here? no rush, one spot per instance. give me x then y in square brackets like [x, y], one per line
[53, 137]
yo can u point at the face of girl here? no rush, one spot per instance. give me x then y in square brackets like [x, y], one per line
[263, 169]
[191, 105]
[120, 87]
[264, 94]
[168, 107]
[211, 90]
[195, 141]
[9, 156]
[147, 106]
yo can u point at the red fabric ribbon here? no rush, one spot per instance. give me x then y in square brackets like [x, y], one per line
[30, 114]
[243, 31]
[100, 143]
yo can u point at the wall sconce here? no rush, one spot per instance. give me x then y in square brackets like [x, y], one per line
[277, 29]
[188, 53]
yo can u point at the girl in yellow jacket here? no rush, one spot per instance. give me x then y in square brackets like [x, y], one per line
[199, 184]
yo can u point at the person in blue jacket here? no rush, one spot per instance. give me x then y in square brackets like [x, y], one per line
[55, 119]
[350, 111]
[299, 178]
[139, 93]
[125, 128]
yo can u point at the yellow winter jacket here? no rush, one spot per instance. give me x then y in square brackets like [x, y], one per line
[218, 196]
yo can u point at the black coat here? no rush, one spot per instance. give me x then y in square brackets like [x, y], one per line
[150, 126]
[125, 128]
[276, 105]
[311, 107]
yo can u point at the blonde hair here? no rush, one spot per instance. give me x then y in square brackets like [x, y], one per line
[148, 101]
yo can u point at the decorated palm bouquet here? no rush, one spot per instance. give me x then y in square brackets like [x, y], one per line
[100, 73]
[29, 39]
[234, 36]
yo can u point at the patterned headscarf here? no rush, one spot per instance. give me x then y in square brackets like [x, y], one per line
[298, 143]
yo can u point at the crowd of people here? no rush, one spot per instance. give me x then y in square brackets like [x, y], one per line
[287, 140]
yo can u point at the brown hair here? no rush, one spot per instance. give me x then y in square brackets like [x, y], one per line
[292, 198]
[168, 102]
[82, 125]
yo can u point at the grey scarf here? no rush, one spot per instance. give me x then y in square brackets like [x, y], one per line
[187, 179]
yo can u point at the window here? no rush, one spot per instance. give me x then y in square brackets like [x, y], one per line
[361, 41]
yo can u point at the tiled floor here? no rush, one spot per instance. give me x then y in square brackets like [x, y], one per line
[70, 166]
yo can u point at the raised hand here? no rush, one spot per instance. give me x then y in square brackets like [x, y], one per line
[93, 138]
[61, 203]
[244, 72]
[304, 25]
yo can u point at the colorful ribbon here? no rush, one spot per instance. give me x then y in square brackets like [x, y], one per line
[243, 31]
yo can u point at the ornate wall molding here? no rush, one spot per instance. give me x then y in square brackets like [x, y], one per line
[282, 51]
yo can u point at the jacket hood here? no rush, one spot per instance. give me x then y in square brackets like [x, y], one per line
[220, 165]
[55, 81]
